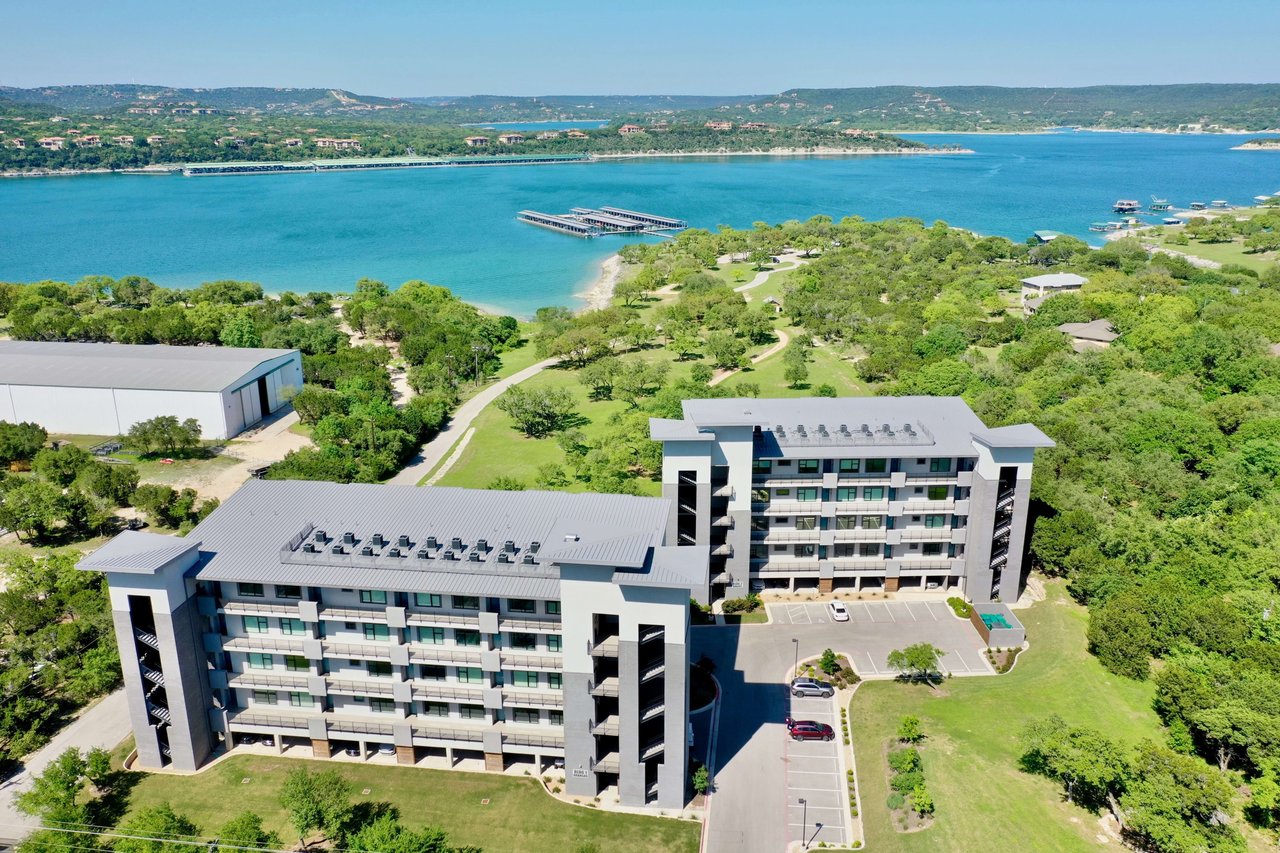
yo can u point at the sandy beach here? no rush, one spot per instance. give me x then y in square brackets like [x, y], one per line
[601, 293]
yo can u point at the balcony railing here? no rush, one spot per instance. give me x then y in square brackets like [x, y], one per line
[428, 653]
[530, 625]
[431, 691]
[768, 536]
[607, 727]
[421, 617]
[443, 731]
[548, 660]
[356, 651]
[354, 614]
[607, 764]
[607, 687]
[606, 648]
[257, 608]
[533, 698]
[250, 680]
[362, 687]
[263, 643]
[517, 738]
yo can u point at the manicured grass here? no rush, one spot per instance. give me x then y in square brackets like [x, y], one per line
[519, 816]
[828, 367]
[1223, 253]
[971, 754]
[759, 617]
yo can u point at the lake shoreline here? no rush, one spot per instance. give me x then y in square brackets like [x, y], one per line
[600, 295]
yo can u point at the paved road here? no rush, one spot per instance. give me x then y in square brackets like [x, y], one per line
[433, 451]
[103, 725]
[751, 805]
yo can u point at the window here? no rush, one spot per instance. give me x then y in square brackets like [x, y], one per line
[257, 660]
[554, 642]
[349, 626]
[293, 627]
[264, 697]
[759, 523]
[555, 680]
[470, 674]
[847, 493]
[383, 706]
[300, 700]
[250, 590]
[931, 549]
[465, 602]
[431, 636]
[432, 672]
[524, 642]
[761, 466]
[759, 552]
[784, 463]
[933, 522]
[555, 718]
[466, 638]
[940, 466]
[850, 466]
[873, 493]
[373, 596]
[807, 466]
[807, 494]
[782, 493]
[846, 522]
[552, 608]
[937, 493]
[297, 663]
[471, 712]
[760, 496]
[868, 549]
[378, 668]
[807, 522]
[519, 678]
[435, 709]
[525, 715]
[288, 591]
[806, 550]
[522, 605]
[376, 632]
[255, 624]
[872, 522]
[875, 466]
[427, 599]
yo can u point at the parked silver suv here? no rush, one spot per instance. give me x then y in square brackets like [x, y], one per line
[811, 687]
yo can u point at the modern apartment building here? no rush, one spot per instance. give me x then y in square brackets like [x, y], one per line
[856, 493]
[508, 626]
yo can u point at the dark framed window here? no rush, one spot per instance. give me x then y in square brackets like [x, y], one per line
[464, 637]
[872, 522]
[934, 522]
[555, 680]
[373, 596]
[432, 672]
[521, 678]
[807, 494]
[431, 636]
[465, 602]
[552, 608]
[383, 706]
[761, 466]
[288, 591]
[374, 631]
[524, 642]
[873, 493]
[300, 700]
[296, 663]
[876, 466]
[427, 599]
[250, 590]
[258, 660]
[850, 466]
[470, 674]
[807, 466]
[937, 493]
[471, 712]
[378, 668]
[806, 522]
[940, 466]
[435, 709]
[554, 642]
[522, 605]
[525, 715]
[293, 627]
[255, 624]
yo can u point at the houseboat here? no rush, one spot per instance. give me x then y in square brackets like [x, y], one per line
[1198, 205]
[1159, 205]
[1171, 220]
[1220, 204]
[1127, 205]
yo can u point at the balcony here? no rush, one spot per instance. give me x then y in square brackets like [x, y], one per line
[354, 614]
[446, 620]
[787, 508]
[652, 749]
[723, 521]
[607, 764]
[258, 608]
[607, 687]
[772, 535]
[550, 626]
[436, 691]
[725, 491]
[362, 687]
[859, 534]
[263, 643]
[530, 738]
[549, 660]
[533, 699]
[428, 653]
[606, 648]
[926, 534]
[608, 727]
[444, 731]
[356, 651]
[261, 716]
[250, 680]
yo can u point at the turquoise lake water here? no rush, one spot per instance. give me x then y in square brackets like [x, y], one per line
[457, 227]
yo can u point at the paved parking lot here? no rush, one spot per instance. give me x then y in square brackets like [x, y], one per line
[815, 772]
[876, 628]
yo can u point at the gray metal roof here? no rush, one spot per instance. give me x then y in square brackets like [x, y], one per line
[666, 429]
[138, 552]
[149, 367]
[287, 532]
[1055, 279]
[1095, 330]
[1017, 435]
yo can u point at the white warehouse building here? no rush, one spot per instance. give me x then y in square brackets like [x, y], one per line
[104, 389]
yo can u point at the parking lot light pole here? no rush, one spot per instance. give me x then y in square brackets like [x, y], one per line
[795, 671]
[805, 820]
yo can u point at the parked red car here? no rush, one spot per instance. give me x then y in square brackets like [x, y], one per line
[809, 730]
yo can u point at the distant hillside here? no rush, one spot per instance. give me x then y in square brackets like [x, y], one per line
[121, 96]
[477, 108]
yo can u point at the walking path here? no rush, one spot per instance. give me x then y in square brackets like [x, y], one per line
[435, 449]
[104, 725]
[783, 340]
[266, 446]
[763, 275]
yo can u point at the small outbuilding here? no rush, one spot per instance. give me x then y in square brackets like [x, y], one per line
[1096, 334]
[104, 389]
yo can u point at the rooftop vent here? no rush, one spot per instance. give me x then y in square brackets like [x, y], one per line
[822, 430]
[503, 557]
[431, 543]
[424, 554]
[447, 555]
[866, 430]
[509, 547]
[908, 429]
[338, 549]
[377, 540]
[309, 547]
[800, 431]
[528, 560]
[320, 537]
[571, 537]
[482, 544]
[474, 557]
[348, 538]
[366, 551]
[779, 431]
[844, 429]
[455, 543]
[403, 541]
[394, 552]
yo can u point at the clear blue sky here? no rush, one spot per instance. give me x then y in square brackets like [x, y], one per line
[531, 47]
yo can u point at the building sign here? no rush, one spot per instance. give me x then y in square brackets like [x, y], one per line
[578, 771]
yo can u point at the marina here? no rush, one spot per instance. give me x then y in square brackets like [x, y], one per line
[590, 222]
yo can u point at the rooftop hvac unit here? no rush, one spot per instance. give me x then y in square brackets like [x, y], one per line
[338, 549]
[432, 543]
[366, 551]
[448, 555]
[455, 543]
[394, 552]
[473, 557]
[482, 544]
[320, 537]
[403, 541]
[348, 538]
[509, 547]
[528, 560]
[309, 547]
[534, 546]
[503, 557]
[424, 554]
[377, 540]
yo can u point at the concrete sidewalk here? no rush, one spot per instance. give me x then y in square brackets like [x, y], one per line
[104, 725]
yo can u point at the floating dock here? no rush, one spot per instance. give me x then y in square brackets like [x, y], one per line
[338, 164]
[590, 222]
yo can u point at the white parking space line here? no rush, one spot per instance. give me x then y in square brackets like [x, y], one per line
[910, 612]
[870, 662]
[960, 658]
[928, 605]
[889, 610]
[808, 773]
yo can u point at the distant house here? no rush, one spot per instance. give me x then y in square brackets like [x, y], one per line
[511, 138]
[719, 125]
[477, 141]
[340, 144]
[232, 141]
[1040, 287]
[123, 141]
[577, 134]
[155, 140]
[1046, 236]
[753, 125]
[72, 132]
[1096, 334]
[549, 134]
[659, 125]
[852, 131]
[59, 119]
[203, 111]
[53, 143]
[629, 129]
[92, 140]
[18, 142]
[181, 111]
[292, 142]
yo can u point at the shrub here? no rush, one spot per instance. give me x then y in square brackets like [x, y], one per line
[961, 607]
[895, 801]
[701, 779]
[909, 730]
[922, 800]
[742, 605]
[905, 782]
[904, 760]
[828, 663]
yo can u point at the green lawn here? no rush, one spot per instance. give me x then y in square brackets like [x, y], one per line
[519, 816]
[970, 758]
[828, 367]
[1223, 253]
